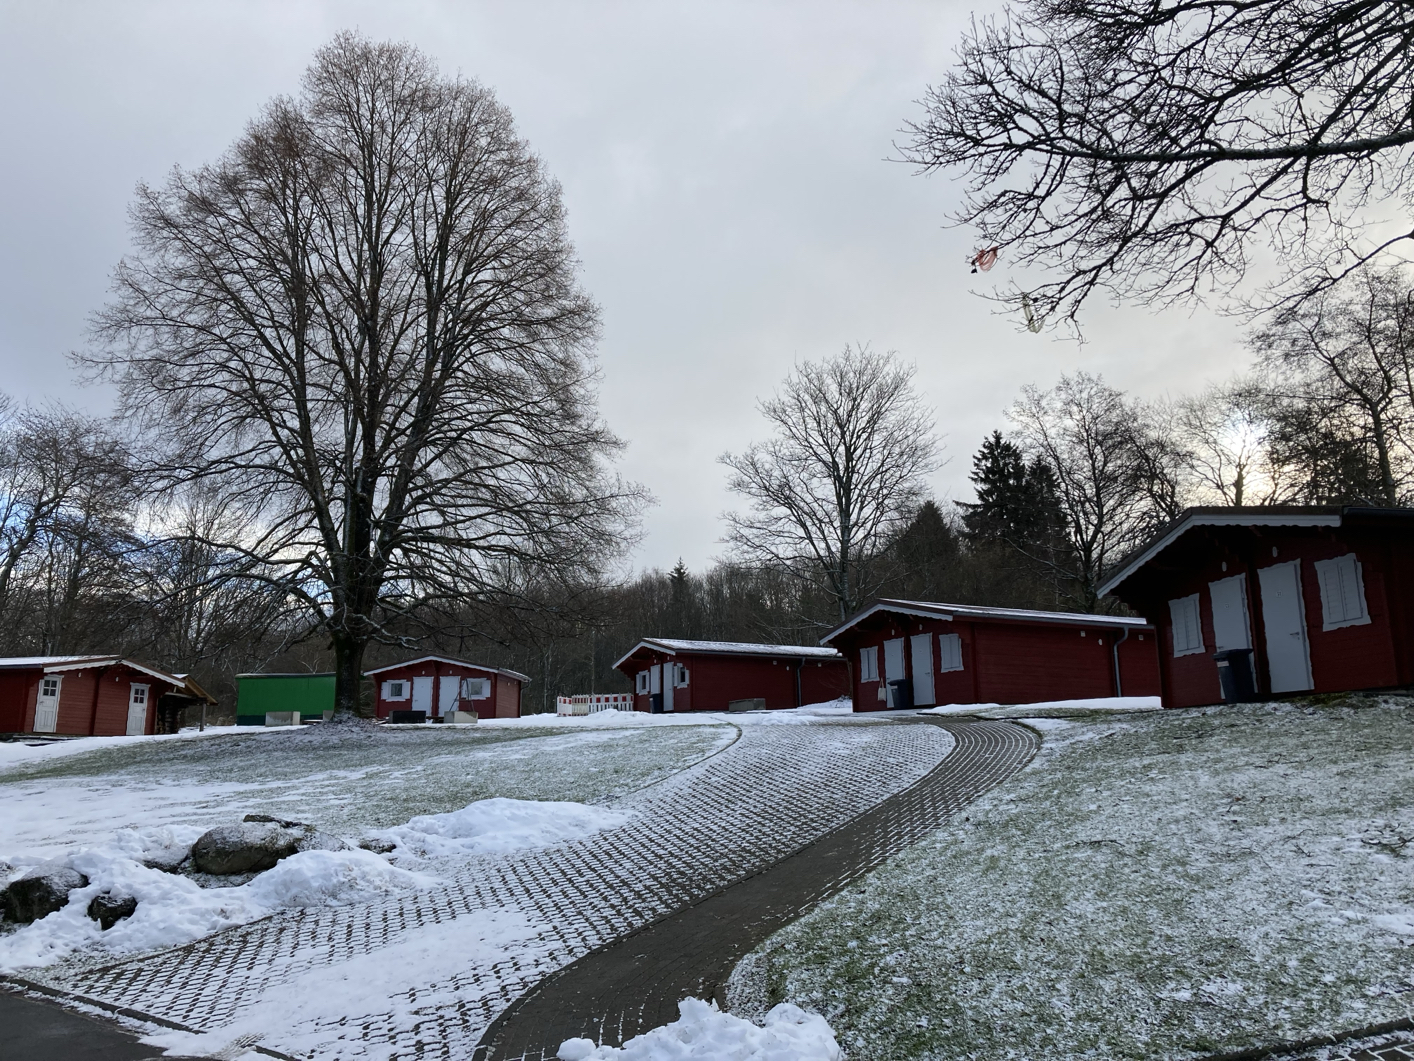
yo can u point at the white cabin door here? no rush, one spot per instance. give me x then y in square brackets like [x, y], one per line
[46, 705]
[668, 676]
[922, 648]
[448, 694]
[1230, 626]
[137, 710]
[1288, 658]
[422, 694]
[893, 667]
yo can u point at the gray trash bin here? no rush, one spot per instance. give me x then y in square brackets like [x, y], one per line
[901, 694]
[1235, 675]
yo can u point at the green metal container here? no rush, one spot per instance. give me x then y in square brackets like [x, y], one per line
[309, 694]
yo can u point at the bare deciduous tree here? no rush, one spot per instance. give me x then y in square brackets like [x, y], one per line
[843, 474]
[362, 325]
[1344, 359]
[1146, 148]
[1224, 434]
[1104, 460]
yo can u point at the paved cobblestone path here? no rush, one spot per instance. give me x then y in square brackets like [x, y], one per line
[636, 983]
[777, 790]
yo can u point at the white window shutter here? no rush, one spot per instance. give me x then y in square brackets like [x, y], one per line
[949, 652]
[1187, 626]
[1342, 592]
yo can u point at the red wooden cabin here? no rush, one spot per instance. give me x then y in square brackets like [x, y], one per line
[1316, 599]
[439, 686]
[99, 696]
[963, 654]
[675, 675]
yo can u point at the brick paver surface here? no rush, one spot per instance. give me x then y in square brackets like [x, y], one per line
[635, 984]
[778, 789]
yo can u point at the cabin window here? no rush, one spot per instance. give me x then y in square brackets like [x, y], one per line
[476, 688]
[679, 676]
[396, 690]
[139, 695]
[49, 687]
[1342, 592]
[869, 664]
[949, 652]
[641, 685]
[1187, 629]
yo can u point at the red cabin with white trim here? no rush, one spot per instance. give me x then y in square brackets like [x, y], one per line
[82, 696]
[439, 686]
[671, 674]
[1317, 599]
[964, 654]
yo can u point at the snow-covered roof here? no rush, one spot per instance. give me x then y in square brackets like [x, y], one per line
[56, 664]
[1230, 516]
[948, 612]
[673, 645]
[29, 662]
[517, 675]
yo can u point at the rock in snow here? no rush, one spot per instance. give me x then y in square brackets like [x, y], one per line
[256, 844]
[41, 891]
[109, 909]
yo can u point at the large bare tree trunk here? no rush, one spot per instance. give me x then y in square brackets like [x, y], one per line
[362, 329]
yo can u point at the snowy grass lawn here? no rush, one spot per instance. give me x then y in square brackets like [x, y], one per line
[347, 780]
[1153, 885]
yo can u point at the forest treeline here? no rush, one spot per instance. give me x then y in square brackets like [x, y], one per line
[358, 420]
[1080, 474]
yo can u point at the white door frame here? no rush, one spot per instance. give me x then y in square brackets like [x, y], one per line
[139, 698]
[1288, 651]
[921, 646]
[449, 694]
[46, 709]
[422, 694]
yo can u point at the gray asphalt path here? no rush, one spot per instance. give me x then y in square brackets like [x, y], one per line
[43, 1031]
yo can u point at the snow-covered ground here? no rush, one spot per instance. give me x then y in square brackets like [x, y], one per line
[347, 780]
[1155, 884]
[1053, 708]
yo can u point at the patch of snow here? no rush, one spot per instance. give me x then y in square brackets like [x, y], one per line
[702, 1031]
[312, 1019]
[1399, 924]
[174, 909]
[1103, 703]
[493, 826]
[12, 752]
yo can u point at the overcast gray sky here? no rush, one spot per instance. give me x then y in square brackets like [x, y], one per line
[726, 169]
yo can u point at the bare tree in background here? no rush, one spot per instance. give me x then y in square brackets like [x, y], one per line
[842, 475]
[362, 325]
[1341, 366]
[1149, 148]
[1225, 436]
[1102, 455]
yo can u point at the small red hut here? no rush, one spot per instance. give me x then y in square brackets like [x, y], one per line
[1287, 599]
[676, 675]
[98, 696]
[918, 653]
[439, 686]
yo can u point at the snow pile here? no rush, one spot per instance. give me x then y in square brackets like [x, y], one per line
[702, 1031]
[495, 826]
[1102, 703]
[174, 909]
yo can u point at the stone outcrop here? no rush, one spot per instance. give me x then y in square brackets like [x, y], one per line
[256, 844]
[41, 891]
[109, 909]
